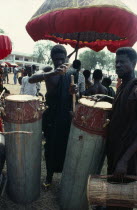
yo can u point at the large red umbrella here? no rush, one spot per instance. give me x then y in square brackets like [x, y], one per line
[92, 23]
[5, 46]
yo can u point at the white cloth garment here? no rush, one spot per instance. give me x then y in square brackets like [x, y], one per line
[28, 88]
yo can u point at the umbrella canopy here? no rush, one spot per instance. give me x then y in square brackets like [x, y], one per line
[5, 46]
[94, 23]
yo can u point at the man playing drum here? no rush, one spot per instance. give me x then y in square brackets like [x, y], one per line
[56, 118]
[122, 134]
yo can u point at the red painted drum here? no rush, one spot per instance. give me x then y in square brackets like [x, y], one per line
[85, 152]
[23, 150]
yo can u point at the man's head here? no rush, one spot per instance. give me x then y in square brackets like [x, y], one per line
[86, 74]
[77, 64]
[58, 55]
[97, 75]
[106, 81]
[126, 58]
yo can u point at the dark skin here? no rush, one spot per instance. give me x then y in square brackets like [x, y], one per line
[52, 78]
[125, 71]
[96, 88]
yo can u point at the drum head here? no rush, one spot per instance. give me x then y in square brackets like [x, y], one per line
[21, 98]
[100, 105]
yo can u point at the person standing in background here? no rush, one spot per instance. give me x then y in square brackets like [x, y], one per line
[107, 82]
[26, 87]
[15, 72]
[87, 74]
[5, 74]
[81, 79]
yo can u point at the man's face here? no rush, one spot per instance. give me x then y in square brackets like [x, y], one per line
[124, 66]
[58, 59]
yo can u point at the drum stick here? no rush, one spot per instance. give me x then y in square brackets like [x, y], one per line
[2, 93]
[73, 96]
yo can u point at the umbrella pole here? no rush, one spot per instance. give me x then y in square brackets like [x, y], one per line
[71, 53]
[76, 54]
[76, 49]
[74, 95]
[77, 46]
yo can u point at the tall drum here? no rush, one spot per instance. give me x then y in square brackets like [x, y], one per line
[23, 150]
[85, 152]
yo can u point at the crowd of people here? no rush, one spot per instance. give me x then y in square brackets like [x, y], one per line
[56, 120]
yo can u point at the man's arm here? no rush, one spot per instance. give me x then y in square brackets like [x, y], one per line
[40, 77]
[121, 168]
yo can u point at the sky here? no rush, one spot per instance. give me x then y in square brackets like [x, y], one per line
[14, 15]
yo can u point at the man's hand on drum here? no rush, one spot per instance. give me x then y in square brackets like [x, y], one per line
[101, 97]
[98, 97]
[62, 69]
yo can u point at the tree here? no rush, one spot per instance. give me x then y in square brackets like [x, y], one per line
[2, 31]
[42, 52]
[91, 59]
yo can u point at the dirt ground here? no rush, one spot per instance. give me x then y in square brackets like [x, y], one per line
[15, 89]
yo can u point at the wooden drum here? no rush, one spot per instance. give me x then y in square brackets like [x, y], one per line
[106, 191]
[23, 147]
[85, 152]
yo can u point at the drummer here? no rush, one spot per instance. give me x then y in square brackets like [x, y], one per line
[122, 138]
[56, 118]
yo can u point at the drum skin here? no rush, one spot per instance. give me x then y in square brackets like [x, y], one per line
[23, 151]
[85, 155]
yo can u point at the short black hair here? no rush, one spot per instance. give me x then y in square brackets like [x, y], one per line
[129, 51]
[97, 74]
[86, 73]
[58, 49]
[106, 81]
[76, 64]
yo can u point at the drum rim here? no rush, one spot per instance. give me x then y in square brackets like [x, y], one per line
[96, 107]
[17, 100]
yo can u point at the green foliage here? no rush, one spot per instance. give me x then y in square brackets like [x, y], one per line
[42, 52]
[2, 31]
[92, 60]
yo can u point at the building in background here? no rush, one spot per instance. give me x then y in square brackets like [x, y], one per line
[22, 59]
